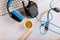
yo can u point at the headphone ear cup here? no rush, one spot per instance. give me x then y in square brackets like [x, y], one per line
[16, 16]
[33, 9]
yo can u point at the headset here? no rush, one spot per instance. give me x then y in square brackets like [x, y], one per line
[31, 10]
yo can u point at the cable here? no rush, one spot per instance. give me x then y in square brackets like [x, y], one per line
[50, 29]
[51, 3]
[46, 23]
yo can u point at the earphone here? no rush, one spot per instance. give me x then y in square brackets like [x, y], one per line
[31, 10]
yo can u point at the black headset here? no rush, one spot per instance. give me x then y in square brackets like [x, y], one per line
[31, 10]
